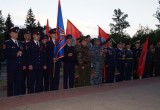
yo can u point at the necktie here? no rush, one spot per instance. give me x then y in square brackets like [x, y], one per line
[16, 43]
[37, 44]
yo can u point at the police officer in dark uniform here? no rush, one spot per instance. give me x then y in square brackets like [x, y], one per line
[44, 40]
[13, 51]
[128, 62]
[27, 39]
[136, 54]
[37, 62]
[52, 63]
[120, 62]
[69, 63]
[110, 62]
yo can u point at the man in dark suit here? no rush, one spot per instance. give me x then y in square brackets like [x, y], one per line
[13, 50]
[44, 40]
[110, 61]
[120, 62]
[27, 39]
[69, 63]
[53, 63]
[37, 62]
[128, 62]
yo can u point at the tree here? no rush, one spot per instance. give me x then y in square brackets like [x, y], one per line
[157, 15]
[8, 25]
[144, 32]
[1, 29]
[120, 22]
[1, 23]
[30, 21]
[40, 28]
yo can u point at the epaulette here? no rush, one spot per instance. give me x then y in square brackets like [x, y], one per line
[7, 41]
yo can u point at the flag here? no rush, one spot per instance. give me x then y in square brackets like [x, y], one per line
[71, 29]
[142, 59]
[47, 28]
[60, 41]
[102, 35]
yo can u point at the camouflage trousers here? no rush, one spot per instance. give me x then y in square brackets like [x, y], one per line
[96, 78]
[84, 73]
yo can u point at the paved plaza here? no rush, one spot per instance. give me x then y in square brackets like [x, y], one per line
[132, 95]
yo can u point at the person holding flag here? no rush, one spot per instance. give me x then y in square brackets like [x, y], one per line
[53, 65]
[56, 51]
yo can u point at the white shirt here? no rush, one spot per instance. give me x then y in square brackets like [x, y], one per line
[120, 48]
[36, 42]
[69, 45]
[53, 40]
[15, 41]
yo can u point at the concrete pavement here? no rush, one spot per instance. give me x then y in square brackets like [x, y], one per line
[132, 95]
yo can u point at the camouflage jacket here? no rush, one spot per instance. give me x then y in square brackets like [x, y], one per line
[83, 55]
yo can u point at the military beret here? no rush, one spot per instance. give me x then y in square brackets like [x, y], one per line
[83, 38]
[69, 36]
[14, 29]
[52, 31]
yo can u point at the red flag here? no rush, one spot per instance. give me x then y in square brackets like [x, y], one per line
[102, 34]
[71, 29]
[142, 59]
[47, 28]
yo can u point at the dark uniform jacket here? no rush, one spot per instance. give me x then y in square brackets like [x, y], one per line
[36, 54]
[70, 59]
[10, 52]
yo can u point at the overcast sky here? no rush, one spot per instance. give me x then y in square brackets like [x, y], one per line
[85, 14]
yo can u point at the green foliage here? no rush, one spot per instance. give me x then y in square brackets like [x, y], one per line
[157, 15]
[120, 22]
[8, 25]
[2, 39]
[144, 32]
[1, 23]
[30, 21]
[40, 28]
[117, 38]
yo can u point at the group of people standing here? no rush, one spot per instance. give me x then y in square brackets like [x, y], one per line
[32, 66]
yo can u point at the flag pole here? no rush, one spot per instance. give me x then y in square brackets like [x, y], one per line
[54, 65]
[113, 40]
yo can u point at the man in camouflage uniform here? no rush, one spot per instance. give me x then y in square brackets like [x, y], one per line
[84, 61]
[97, 61]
